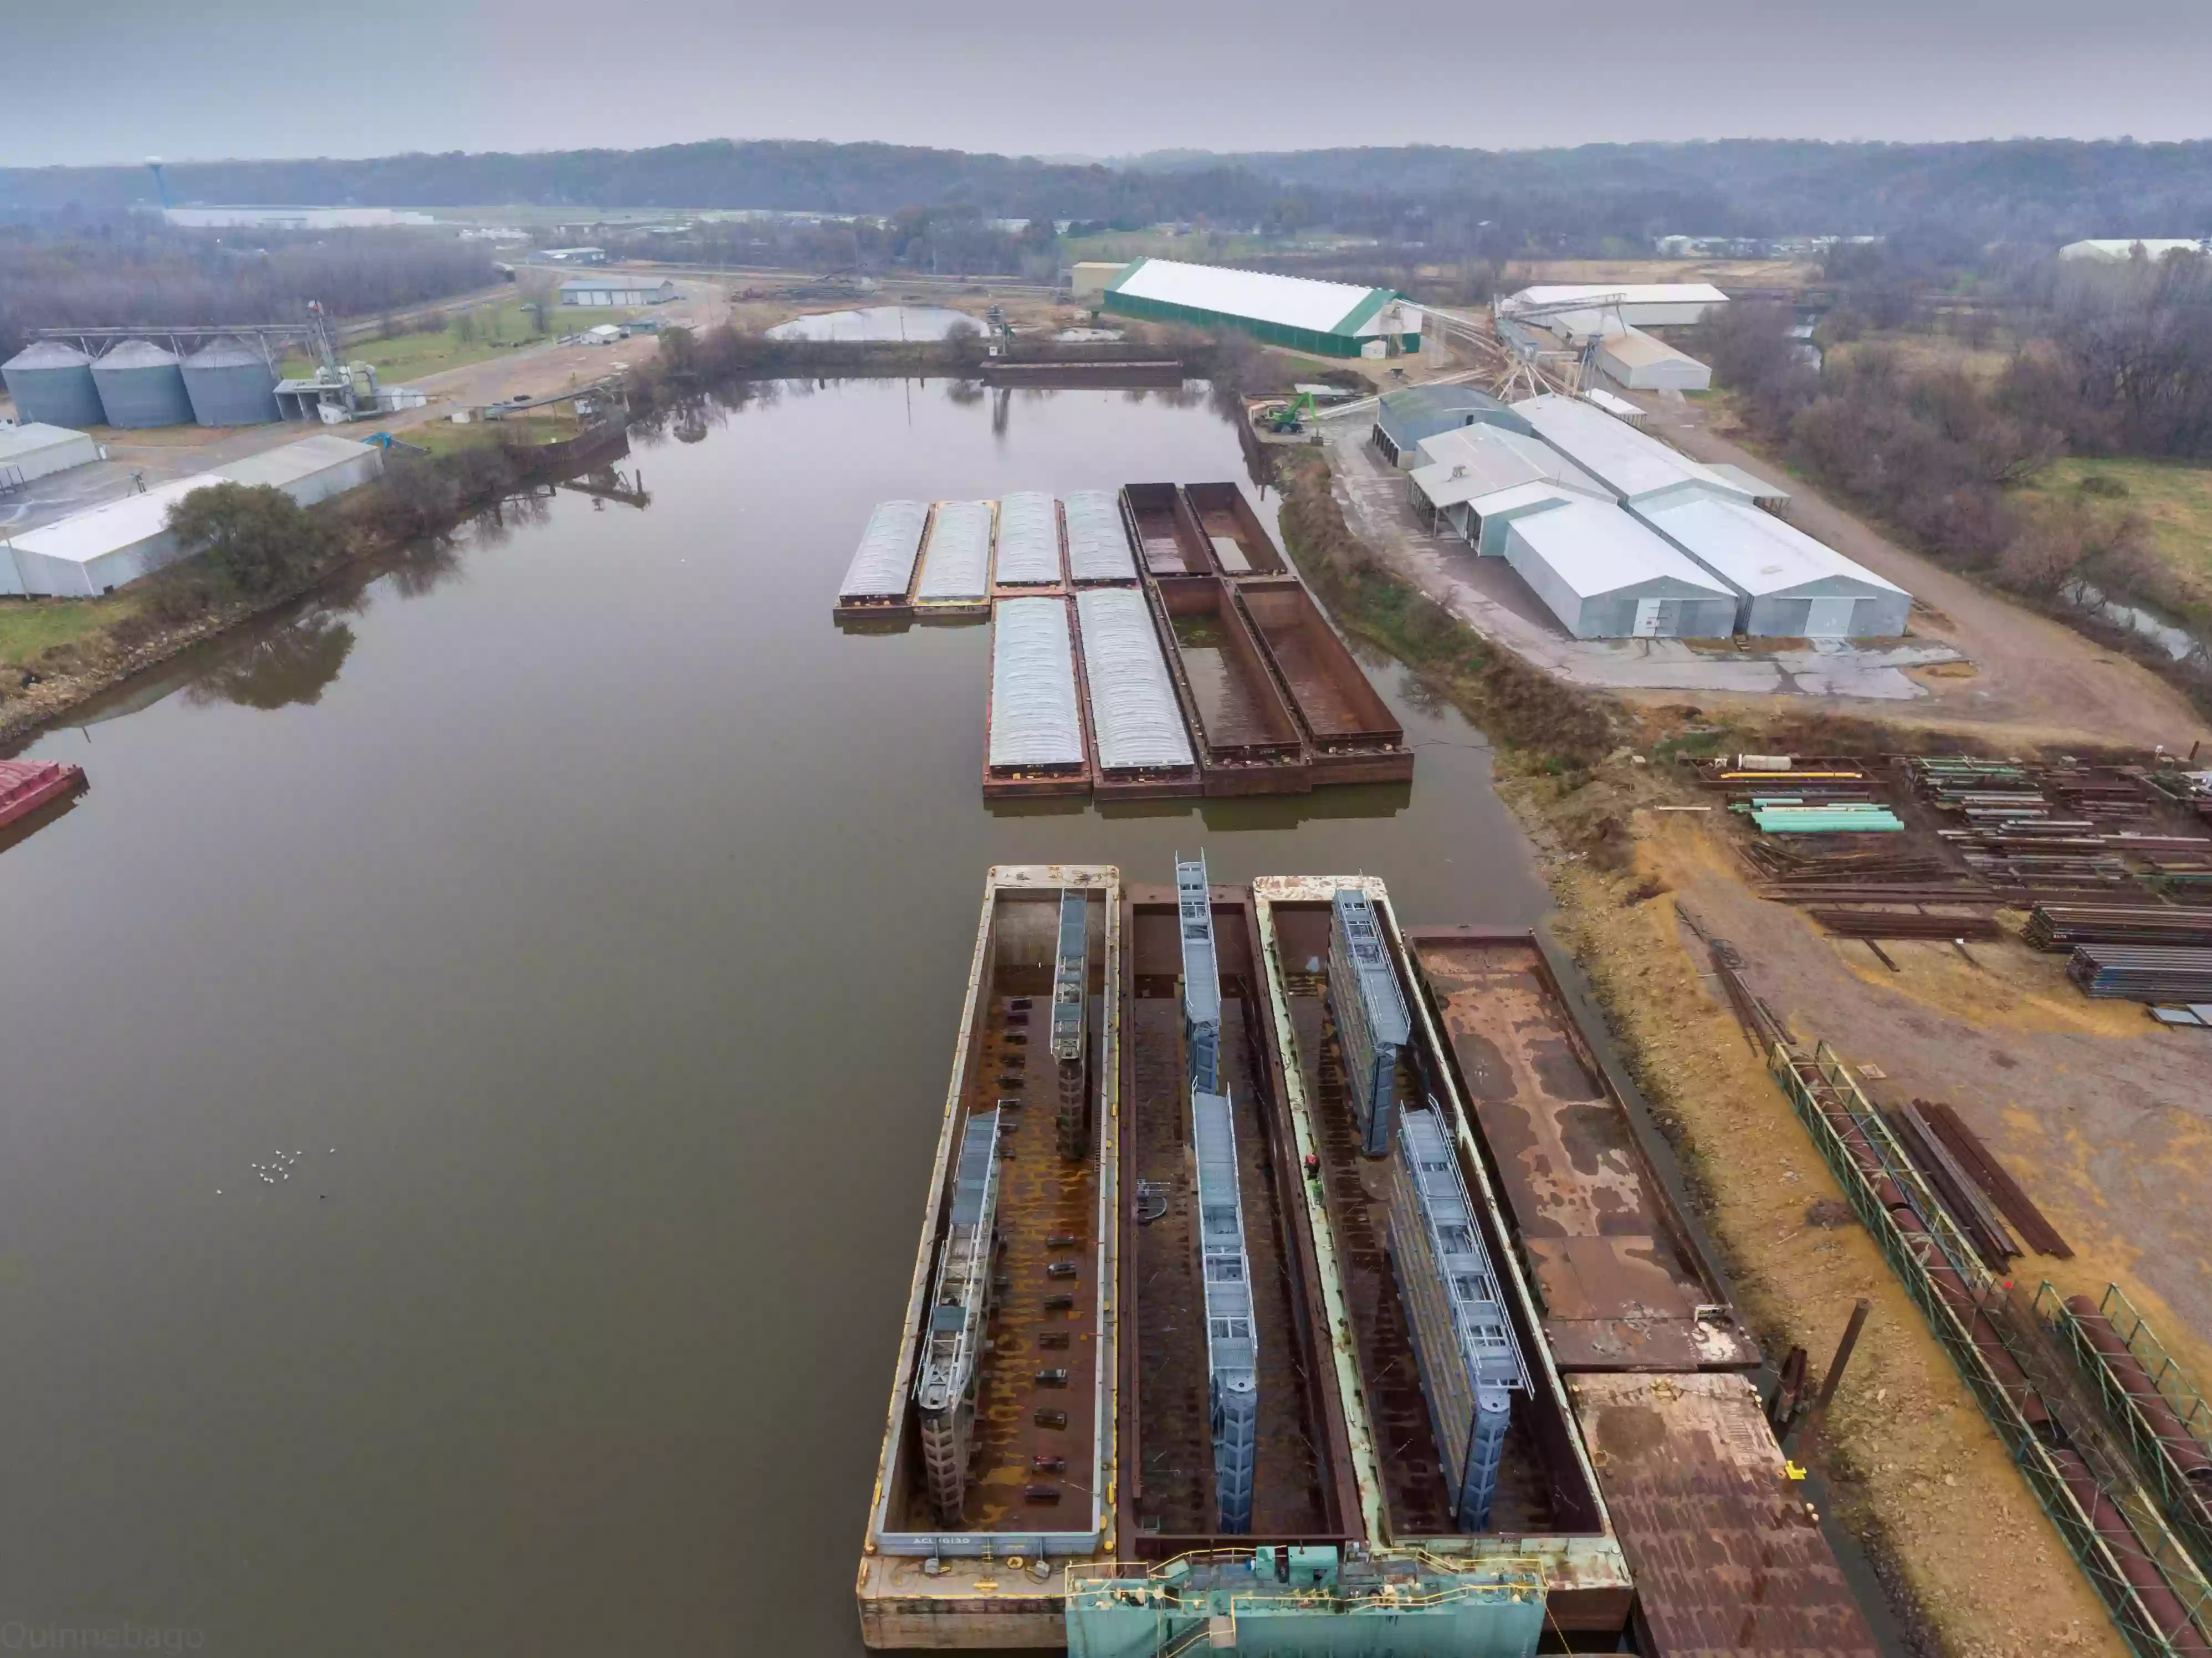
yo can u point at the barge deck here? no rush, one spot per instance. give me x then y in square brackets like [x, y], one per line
[1248, 743]
[1302, 1491]
[878, 585]
[1142, 745]
[997, 1464]
[1621, 1281]
[1036, 738]
[1545, 1506]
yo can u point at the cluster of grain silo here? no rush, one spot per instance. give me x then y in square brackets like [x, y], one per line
[228, 381]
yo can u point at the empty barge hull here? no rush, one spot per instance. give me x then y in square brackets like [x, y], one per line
[1036, 740]
[1622, 1282]
[1727, 1556]
[1236, 540]
[1351, 735]
[1164, 530]
[1249, 743]
[1037, 1480]
[1547, 1508]
[1303, 1489]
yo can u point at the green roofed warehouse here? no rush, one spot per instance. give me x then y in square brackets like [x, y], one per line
[1326, 319]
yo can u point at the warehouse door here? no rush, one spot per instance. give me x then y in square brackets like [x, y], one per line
[1647, 618]
[1828, 618]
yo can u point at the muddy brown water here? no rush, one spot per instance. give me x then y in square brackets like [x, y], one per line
[574, 928]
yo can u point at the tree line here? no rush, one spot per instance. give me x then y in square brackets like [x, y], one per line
[126, 270]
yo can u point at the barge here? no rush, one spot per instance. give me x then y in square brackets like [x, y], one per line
[1248, 743]
[1198, 1035]
[1143, 748]
[1098, 547]
[1165, 530]
[1622, 1284]
[878, 583]
[999, 1466]
[1238, 542]
[1419, 1281]
[1351, 735]
[955, 580]
[1029, 539]
[1036, 741]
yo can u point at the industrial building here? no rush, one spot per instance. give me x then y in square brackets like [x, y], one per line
[617, 290]
[142, 385]
[1787, 585]
[1637, 304]
[1474, 480]
[1637, 361]
[1328, 319]
[1403, 418]
[111, 545]
[2118, 248]
[1605, 575]
[36, 451]
[1633, 465]
[1087, 278]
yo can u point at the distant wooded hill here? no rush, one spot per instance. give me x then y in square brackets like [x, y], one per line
[2023, 189]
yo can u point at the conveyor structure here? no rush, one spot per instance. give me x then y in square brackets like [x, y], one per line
[1232, 1349]
[1070, 1010]
[1471, 1363]
[959, 1309]
[1201, 978]
[1371, 1020]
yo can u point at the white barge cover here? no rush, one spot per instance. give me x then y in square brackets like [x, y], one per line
[957, 564]
[884, 566]
[1029, 540]
[1034, 721]
[1098, 544]
[1134, 717]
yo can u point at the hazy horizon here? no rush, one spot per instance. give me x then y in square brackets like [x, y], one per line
[255, 80]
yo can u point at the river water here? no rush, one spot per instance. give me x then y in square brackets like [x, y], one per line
[572, 926]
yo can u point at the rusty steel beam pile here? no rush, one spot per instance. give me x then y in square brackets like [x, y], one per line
[2062, 927]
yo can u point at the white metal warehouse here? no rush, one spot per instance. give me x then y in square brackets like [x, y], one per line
[35, 451]
[1789, 586]
[1473, 480]
[1330, 320]
[1636, 361]
[98, 550]
[1634, 465]
[313, 469]
[1647, 305]
[1605, 575]
[617, 290]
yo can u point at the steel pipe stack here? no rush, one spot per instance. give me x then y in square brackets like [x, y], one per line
[2062, 926]
[2135, 974]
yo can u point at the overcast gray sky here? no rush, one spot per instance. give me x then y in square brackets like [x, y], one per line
[122, 79]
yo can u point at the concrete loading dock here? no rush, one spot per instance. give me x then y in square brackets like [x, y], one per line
[1248, 743]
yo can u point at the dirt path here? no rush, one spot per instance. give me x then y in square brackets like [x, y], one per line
[2032, 674]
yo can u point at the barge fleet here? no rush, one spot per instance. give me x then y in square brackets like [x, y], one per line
[1292, 1318]
[1203, 667]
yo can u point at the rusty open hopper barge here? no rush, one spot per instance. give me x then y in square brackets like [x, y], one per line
[1248, 743]
[1351, 735]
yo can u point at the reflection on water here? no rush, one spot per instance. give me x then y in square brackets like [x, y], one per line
[877, 322]
[591, 917]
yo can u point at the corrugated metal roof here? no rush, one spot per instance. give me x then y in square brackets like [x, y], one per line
[1097, 541]
[1034, 719]
[1028, 539]
[82, 536]
[1624, 459]
[1757, 552]
[1627, 293]
[33, 437]
[1595, 548]
[290, 462]
[883, 568]
[1134, 717]
[957, 563]
[1292, 301]
[1750, 482]
[1634, 349]
[1470, 461]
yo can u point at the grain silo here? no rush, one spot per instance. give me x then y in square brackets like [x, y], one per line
[141, 384]
[51, 382]
[231, 383]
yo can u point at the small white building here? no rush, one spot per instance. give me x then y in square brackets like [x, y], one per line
[311, 470]
[1637, 361]
[1637, 304]
[2118, 249]
[617, 290]
[34, 450]
[1787, 585]
[99, 549]
[1605, 575]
